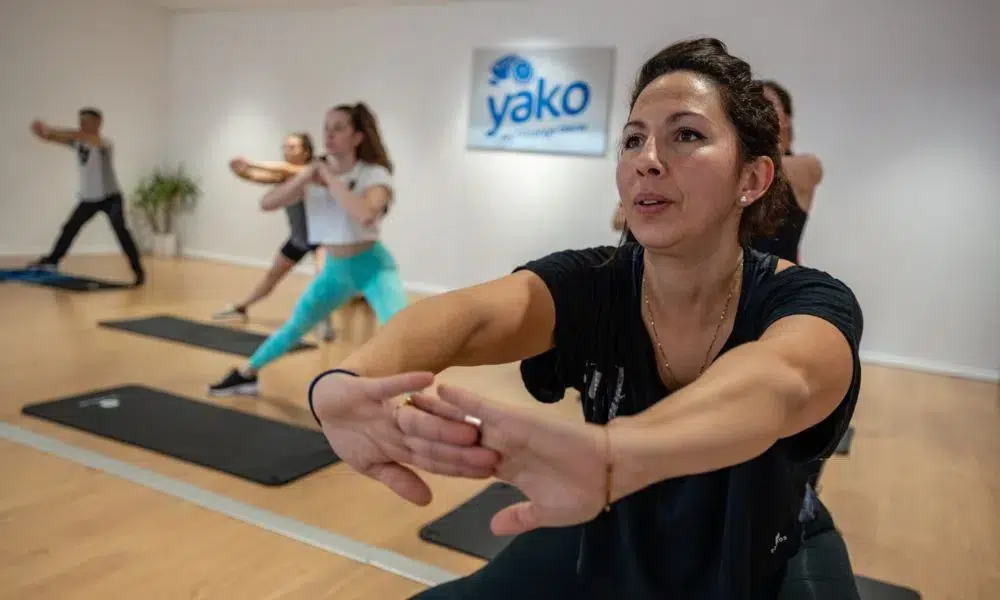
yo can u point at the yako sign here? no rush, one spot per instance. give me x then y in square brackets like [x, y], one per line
[542, 100]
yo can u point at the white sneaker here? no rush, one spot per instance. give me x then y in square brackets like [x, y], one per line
[324, 330]
[231, 312]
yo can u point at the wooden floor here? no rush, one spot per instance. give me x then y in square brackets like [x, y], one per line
[918, 499]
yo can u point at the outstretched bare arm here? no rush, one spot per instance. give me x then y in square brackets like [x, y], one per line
[500, 321]
[64, 135]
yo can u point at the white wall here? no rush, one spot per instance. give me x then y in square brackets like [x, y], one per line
[52, 62]
[899, 98]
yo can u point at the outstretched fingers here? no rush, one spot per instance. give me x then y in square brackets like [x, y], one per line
[382, 388]
[431, 419]
[402, 480]
[516, 519]
[456, 461]
[434, 405]
[470, 404]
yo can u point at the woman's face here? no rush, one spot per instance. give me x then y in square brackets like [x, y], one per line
[679, 171]
[295, 150]
[339, 135]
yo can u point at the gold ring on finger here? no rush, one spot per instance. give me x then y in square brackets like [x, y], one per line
[406, 402]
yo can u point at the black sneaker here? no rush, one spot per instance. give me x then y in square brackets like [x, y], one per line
[44, 264]
[234, 384]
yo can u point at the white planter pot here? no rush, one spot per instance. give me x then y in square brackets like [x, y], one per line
[165, 245]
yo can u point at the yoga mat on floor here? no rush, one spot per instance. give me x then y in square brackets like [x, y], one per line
[240, 444]
[467, 528]
[194, 333]
[871, 589]
[61, 281]
[844, 447]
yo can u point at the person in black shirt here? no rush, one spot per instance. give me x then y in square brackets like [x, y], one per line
[708, 371]
[804, 173]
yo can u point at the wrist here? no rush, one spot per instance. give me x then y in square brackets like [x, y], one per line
[325, 375]
[621, 474]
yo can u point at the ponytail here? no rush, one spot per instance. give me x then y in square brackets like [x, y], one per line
[371, 149]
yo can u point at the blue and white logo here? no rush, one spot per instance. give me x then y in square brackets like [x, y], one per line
[541, 101]
[533, 98]
[512, 67]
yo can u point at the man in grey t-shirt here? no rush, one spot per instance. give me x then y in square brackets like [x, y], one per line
[99, 190]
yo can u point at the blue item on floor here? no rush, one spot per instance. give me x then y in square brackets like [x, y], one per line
[59, 280]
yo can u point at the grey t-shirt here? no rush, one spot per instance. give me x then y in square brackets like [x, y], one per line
[97, 173]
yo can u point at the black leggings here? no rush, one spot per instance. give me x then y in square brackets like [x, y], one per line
[538, 565]
[541, 565]
[821, 569]
[113, 207]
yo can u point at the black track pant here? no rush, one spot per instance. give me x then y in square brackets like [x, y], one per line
[113, 207]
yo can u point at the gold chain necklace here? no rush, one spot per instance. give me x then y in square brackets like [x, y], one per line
[718, 327]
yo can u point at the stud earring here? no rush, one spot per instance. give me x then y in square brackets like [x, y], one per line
[743, 200]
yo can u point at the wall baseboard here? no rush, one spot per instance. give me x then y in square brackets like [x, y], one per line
[415, 287]
[931, 366]
[303, 268]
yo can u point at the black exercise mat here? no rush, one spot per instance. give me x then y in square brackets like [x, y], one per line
[844, 447]
[247, 446]
[194, 333]
[870, 589]
[61, 281]
[467, 528]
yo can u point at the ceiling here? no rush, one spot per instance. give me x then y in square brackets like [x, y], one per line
[234, 5]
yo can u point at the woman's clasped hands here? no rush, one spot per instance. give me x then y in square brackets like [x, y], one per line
[388, 428]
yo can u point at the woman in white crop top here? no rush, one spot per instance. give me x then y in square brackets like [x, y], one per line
[298, 153]
[346, 193]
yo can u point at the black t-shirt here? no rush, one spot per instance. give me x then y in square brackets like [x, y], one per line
[721, 535]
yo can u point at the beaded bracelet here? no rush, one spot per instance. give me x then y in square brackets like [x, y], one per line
[316, 380]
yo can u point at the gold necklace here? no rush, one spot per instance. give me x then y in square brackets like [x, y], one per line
[718, 327]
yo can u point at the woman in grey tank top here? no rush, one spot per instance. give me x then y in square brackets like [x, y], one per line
[298, 152]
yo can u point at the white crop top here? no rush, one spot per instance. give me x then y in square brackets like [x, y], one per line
[328, 220]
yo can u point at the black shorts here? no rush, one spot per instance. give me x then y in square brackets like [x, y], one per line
[294, 252]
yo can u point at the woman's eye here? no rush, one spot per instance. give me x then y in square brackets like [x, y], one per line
[689, 135]
[631, 142]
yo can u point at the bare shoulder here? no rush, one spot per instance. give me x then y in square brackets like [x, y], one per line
[783, 265]
[805, 165]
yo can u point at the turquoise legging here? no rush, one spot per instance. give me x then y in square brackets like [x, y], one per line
[372, 273]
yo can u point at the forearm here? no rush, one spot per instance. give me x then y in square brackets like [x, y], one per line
[62, 136]
[355, 205]
[286, 193]
[430, 335]
[734, 412]
[256, 175]
[277, 167]
[490, 323]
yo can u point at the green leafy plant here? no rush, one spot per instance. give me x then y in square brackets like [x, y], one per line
[164, 193]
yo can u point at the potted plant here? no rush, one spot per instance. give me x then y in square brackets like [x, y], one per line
[161, 195]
